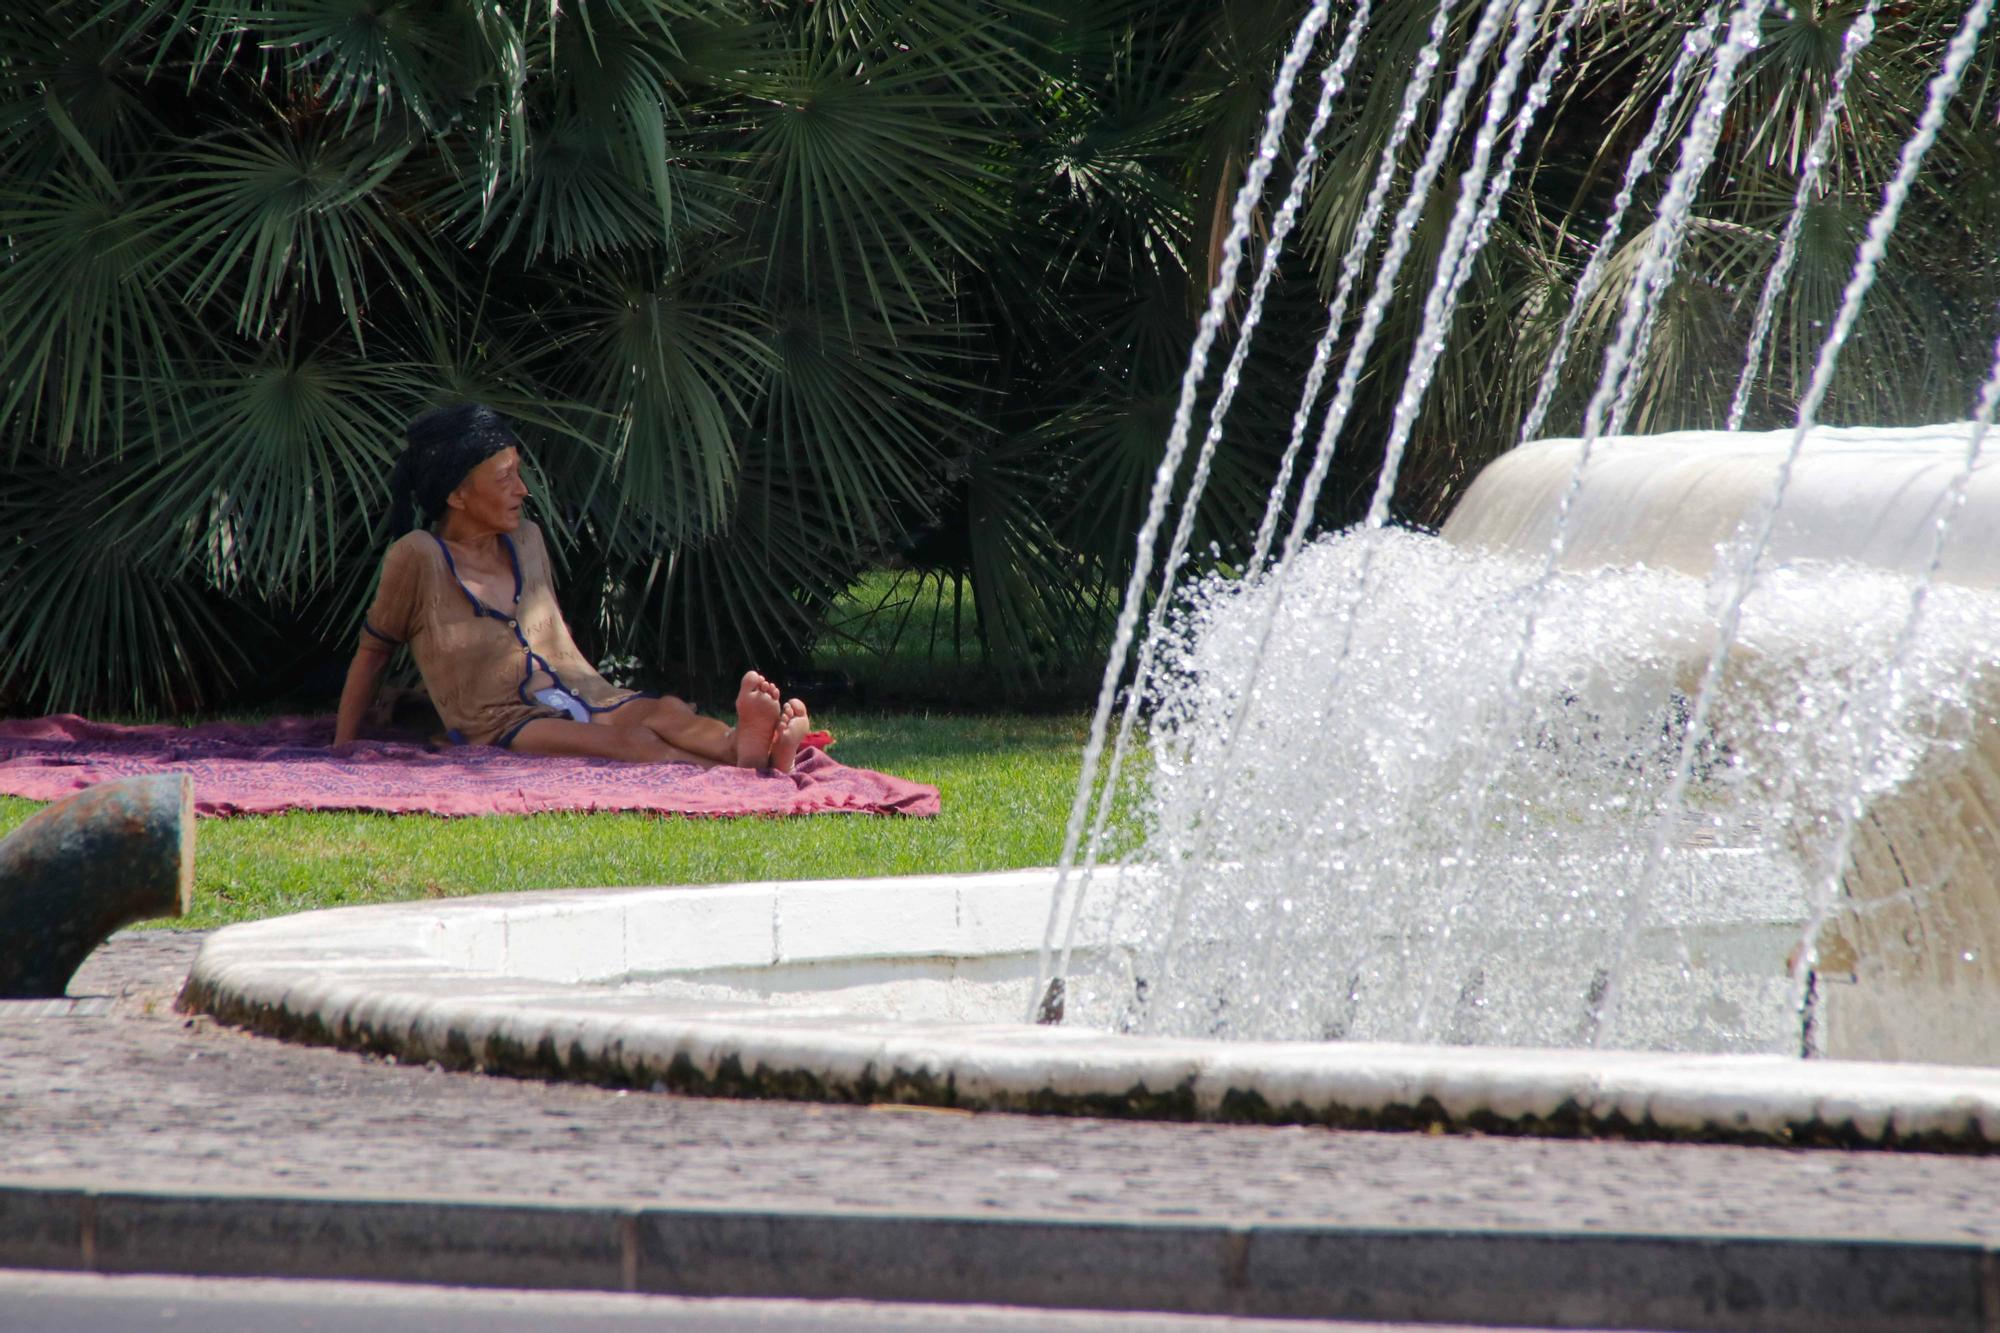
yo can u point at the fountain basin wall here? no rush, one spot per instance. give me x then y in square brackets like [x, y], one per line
[1908, 960]
[1870, 495]
[934, 948]
[625, 986]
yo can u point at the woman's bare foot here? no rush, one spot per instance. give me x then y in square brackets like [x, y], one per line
[757, 714]
[793, 724]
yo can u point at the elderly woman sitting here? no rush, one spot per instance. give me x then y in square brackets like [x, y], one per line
[473, 598]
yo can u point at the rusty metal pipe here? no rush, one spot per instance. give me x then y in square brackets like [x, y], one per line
[76, 871]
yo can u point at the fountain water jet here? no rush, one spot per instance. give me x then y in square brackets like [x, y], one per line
[1693, 48]
[1858, 36]
[1942, 89]
[1331, 84]
[1241, 213]
[1492, 18]
[1697, 147]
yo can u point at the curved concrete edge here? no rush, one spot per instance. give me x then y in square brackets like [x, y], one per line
[1570, 1279]
[363, 978]
[1864, 494]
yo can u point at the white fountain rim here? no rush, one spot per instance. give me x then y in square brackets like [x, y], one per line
[370, 977]
[1939, 441]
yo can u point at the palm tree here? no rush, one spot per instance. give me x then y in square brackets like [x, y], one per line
[779, 294]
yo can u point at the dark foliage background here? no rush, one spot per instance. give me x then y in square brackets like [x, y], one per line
[781, 293]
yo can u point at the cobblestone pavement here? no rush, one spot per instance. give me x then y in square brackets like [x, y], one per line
[126, 1093]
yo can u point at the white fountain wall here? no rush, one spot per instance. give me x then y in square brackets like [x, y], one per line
[933, 948]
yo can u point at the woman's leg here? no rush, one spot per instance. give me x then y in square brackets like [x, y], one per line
[632, 745]
[748, 744]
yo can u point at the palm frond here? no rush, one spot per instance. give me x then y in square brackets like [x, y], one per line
[261, 219]
[90, 341]
[381, 57]
[88, 622]
[857, 414]
[280, 467]
[875, 174]
[742, 597]
[673, 359]
[68, 86]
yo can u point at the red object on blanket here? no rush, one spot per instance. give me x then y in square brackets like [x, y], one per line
[286, 764]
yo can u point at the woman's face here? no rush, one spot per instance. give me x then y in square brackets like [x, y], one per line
[492, 493]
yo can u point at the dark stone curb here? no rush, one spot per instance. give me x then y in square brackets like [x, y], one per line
[1547, 1279]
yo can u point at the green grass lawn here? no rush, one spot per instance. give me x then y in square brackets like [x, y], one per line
[1006, 783]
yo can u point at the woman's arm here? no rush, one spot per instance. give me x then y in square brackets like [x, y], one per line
[364, 673]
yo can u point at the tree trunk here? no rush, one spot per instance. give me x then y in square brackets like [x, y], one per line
[76, 871]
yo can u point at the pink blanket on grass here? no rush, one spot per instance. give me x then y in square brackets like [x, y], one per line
[286, 764]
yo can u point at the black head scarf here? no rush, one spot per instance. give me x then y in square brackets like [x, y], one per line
[445, 444]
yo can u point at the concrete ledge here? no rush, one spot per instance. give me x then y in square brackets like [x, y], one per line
[383, 979]
[1867, 494]
[1544, 1279]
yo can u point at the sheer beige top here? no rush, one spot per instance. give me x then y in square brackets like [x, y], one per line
[484, 664]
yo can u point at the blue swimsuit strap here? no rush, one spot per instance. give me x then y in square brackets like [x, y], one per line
[533, 659]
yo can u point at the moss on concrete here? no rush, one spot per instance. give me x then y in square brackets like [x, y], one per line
[618, 1067]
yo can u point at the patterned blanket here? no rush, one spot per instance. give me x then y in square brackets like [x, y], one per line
[286, 764]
